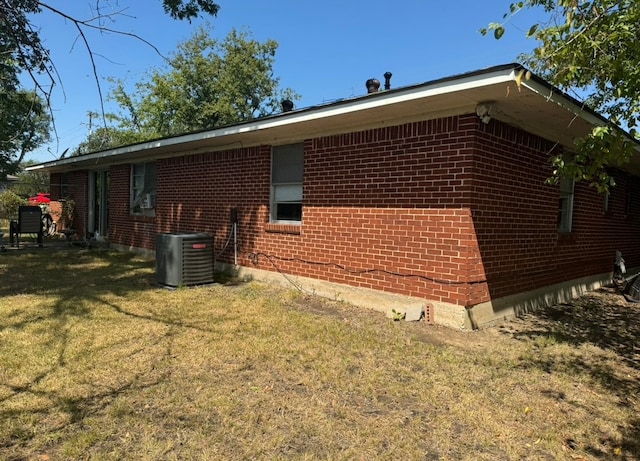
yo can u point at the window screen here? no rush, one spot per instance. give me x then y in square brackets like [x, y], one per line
[287, 165]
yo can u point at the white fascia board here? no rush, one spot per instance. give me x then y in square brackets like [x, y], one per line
[372, 101]
[574, 106]
[362, 103]
[383, 99]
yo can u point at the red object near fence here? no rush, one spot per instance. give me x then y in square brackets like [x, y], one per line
[40, 198]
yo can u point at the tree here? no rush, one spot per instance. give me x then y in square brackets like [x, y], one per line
[10, 202]
[188, 9]
[208, 83]
[24, 120]
[21, 38]
[106, 137]
[29, 183]
[590, 48]
[24, 125]
[22, 51]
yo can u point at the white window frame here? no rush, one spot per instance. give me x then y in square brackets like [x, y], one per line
[565, 205]
[142, 194]
[287, 172]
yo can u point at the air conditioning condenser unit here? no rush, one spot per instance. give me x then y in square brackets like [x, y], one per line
[184, 259]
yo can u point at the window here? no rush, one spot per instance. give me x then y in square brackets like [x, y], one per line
[287, 164]
[565, 207]
[607, 195]
[143, 188]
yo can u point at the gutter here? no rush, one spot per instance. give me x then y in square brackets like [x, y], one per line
[454, 84]
[476, 79]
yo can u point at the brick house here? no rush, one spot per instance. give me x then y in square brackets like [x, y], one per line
[432, 194]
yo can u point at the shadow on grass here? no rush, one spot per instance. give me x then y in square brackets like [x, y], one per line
[80, 280]
[21, 430]
[74, 279]
[63, 287]
[71, 272]
[604, 319]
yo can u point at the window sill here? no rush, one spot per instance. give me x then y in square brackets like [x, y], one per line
[142, 218]
[295, 229]
[567, 237]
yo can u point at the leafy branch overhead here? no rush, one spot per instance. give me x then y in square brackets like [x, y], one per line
[24, 122]
[183, 9]
[589, 49]
[22, 42]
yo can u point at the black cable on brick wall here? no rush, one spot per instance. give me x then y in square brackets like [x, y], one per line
[254, 259]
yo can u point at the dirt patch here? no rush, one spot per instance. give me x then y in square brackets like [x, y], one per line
[603, 317]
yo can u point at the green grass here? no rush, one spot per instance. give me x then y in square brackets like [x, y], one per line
[99, 363]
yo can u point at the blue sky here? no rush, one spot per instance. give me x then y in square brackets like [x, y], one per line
[327, 50]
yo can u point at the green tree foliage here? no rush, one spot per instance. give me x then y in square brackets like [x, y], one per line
[24, 123]
[29, 183]
[9, 204]
[20, 43]
[103, 138]
[208, 83]
[20, 36]
[188, 9]
[590, 47]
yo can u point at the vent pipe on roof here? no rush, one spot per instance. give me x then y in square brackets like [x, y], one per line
[373, 85]
[287, 105]
[387, 80]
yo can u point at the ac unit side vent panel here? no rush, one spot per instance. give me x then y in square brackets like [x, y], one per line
[184, 259]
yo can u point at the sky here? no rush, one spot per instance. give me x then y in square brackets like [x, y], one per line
[327, 50]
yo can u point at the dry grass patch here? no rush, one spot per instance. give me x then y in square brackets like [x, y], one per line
[99, 363]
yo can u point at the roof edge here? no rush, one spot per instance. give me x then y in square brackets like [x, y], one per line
[477, 78]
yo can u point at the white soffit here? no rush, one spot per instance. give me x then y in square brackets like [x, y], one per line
[453, 95]
[225, 136]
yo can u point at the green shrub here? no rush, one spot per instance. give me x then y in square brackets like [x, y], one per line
[9, 203]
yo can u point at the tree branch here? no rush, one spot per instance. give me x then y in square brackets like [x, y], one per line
[79, 24]
[87, 23]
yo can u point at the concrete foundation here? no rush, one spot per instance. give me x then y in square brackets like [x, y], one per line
[446, 314]
[450, 315]
[501, 309]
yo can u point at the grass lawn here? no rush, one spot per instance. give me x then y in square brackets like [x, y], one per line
[98, 363]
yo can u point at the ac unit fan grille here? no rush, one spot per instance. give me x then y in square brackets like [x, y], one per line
[197, 263]
[184, 259]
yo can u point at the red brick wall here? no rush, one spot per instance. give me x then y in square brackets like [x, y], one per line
[55, 185]
[199, 191]
[450, 210]
[514, 213]
[55, 210]
[124, 228]
[515, 216]
[387, 209]
[196, 194]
